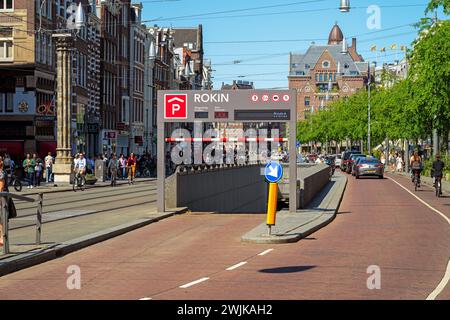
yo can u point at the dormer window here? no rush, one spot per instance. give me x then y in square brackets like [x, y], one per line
[307, 66]
[326, 64]
[346, 66]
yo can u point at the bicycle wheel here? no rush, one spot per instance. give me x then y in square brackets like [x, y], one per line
[416, 184]
[17, 185]
[75, 184]
[82, 184]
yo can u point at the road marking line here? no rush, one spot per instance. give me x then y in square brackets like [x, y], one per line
[265, 252]
[190, 284]
[446, 277]
[236, 266]
[441, 284]
[435, 210]
[145, 299]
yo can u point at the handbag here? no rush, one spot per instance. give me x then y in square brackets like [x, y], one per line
[12, 212]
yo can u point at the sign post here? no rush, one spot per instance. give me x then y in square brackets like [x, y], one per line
[273, 173]
[226, 106]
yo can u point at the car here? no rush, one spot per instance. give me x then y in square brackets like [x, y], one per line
[351, 160]
[369, 167]
[338, 160]
[345, 158]
[357, 161]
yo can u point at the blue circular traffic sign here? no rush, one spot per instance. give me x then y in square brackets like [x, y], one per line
[273, 172]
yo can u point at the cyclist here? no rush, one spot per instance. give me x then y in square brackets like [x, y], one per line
[80, 167]
[131, 167]
[415, 163]
[437, 169]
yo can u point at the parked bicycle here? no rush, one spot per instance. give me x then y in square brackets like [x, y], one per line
[15, 182]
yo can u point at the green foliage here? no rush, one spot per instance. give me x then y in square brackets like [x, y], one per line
[409, 109]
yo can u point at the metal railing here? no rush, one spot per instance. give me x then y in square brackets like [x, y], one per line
[4, 211]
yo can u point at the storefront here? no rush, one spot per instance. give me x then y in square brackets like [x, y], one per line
[108, 141]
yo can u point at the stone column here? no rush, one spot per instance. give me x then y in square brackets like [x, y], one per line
[63, 162]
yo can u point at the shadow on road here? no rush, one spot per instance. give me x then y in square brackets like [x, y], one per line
[290, 269]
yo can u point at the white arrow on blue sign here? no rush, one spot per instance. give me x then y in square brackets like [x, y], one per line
[273, 172]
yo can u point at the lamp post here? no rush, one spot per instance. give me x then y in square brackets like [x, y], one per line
[345, 6]
[369, 113]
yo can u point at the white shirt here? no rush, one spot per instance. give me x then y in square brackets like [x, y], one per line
[48, 161]
[80, 163]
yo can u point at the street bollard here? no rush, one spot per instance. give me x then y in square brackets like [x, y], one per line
[272, 206]
[4, 213]
[39, 219]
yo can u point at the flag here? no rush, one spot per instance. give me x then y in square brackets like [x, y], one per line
[383, 49]
[394, 47]
[373, 48]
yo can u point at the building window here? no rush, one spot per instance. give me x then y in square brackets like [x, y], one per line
[321, 77]
[6, 5]
[6, 102]
[6, 50]
[307, 101]
[6, 44]
[326, 64]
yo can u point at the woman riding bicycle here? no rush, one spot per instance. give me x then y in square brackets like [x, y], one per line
[80, 167]
[416, 166]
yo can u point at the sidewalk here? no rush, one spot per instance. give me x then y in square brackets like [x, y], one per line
[291, 227]
[49, 188]
[64, 236]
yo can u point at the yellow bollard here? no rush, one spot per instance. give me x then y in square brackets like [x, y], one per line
[272, 204]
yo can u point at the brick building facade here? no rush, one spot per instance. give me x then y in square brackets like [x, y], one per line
[325, 73]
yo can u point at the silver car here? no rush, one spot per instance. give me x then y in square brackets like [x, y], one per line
[369, 167]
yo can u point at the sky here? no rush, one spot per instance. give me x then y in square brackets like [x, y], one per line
[242, 41]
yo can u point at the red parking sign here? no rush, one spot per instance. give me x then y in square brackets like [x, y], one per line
[175, 106]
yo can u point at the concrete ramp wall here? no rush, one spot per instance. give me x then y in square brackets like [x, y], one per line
[222, 189]
[238, 188]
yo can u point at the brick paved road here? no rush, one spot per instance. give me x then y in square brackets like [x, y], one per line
[379, 223]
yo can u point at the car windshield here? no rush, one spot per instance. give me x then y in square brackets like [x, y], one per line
[355, 156]
[370, 161]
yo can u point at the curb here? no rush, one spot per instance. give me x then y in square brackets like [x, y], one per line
[324, 219]
[38, 256]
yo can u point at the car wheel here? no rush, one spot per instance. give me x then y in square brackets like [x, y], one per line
[356, 176]
[381, 177]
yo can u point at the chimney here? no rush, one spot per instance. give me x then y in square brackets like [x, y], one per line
[344, 46]
[200, 38]
[354, 44]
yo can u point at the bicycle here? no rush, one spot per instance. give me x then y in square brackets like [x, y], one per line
[416, 180]
[79, 182]
[15, 182]
[438, 186]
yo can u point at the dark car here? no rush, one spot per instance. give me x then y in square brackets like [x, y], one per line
[352, 160]
[369, 167]
[345, 158]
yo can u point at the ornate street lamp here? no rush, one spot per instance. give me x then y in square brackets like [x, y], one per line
[345, 6]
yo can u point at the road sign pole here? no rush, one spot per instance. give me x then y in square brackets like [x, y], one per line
[293, 162]
[272, 205]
